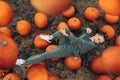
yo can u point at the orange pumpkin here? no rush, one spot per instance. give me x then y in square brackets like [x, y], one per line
[74, 23]
[23, 27]
[40, 43]
[111, 18]
[53, 77]
[109, 30]
[41, 20]
[69, 12]
[6, 13]
[111, 59]
[51, 47]
[37, 72]
[110, 6]
[72, 62]
[62, 25]
[103, 77]
[8, 51]
[3, 72]
[117, 78]
[91, 13]
[51, 7]
[11, 76]
[117, 40]
[6, 31]
[96, 65]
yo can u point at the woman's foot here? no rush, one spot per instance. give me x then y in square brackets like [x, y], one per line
[20, 62]
[46, 37]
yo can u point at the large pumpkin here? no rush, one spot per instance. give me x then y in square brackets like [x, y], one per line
[110, 6]
[8, 51]
[111, 59]
[53, 77]
[51, 7]
[37, 72]
[11, 76]
[103, 77]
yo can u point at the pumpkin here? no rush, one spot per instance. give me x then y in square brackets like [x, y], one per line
[6, 13]
[41, 20]
[8, 52]
[72, 62]
[117, 40]
[96, 65]
[109, 30]
[40, 43]
[110, 6]
[37, 72]
[111, 59]
[51, 47]
[103, 77]
[69, 12]
[51, 7]
[6, 31]
[3, 72]
[62, 25]
[74, 23]
[53, 77]
[91, 13]
[23, 27]
[111, 19]
[117, 78]
[11, 76]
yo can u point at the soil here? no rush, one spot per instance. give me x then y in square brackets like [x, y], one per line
[23, 10]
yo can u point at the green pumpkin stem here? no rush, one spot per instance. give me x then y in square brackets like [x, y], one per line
[2, 43]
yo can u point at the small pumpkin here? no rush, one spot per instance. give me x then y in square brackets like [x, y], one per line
[62, 25]
[117, 78]
[8, 52]
[41, 20]
[53, 77]
[6, 31]
[96, 65]
[117, 40]
[74, 23]
[103, 77]
[37, 72]
[40, 43]
[111, 19]
[110, 60]
[69, 12]
[109, 30]
[6, 13]
[72, 62]
[3, 72]
[11, 76]
[91, 13]
[23, 27]
[51, 47]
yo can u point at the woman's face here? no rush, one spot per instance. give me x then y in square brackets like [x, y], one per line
[98, 39]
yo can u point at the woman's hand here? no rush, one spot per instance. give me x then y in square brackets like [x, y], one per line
[62, 30]
[88, 30]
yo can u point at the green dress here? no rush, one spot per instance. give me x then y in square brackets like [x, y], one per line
[69, 45]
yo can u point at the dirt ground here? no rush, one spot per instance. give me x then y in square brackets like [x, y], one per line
[23, 10]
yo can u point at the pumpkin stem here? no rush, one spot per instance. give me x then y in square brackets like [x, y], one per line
[2, 43]
[75, 58]
[9, 78]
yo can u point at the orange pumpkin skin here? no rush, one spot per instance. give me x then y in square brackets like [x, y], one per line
[110, 60]
[37, 72]
[111, 19]
[52, 7]
[74, 23]
[117, 40]
[6, 31]
[53, 77]
[6, 13]
[72, 62]
[103, 77]
[40, 43]
[11, 76]
[96, 65]
[91, 13]
[62, 25]
[109, 30]
[41, 20]
[3, 72]
[8, 51]
[51, 47]
[117, 78]
[110, 6]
